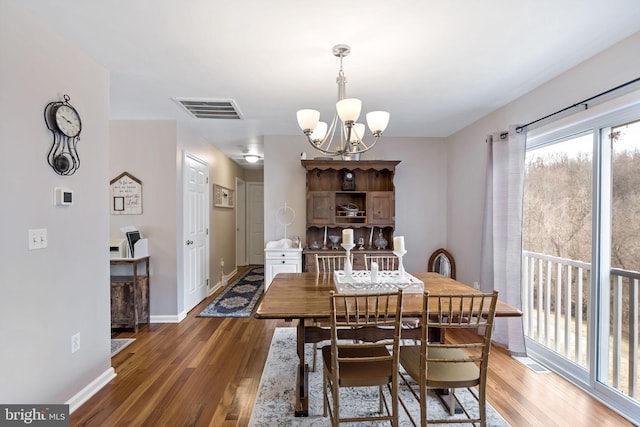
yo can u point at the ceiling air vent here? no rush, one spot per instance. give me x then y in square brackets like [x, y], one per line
[210, 108]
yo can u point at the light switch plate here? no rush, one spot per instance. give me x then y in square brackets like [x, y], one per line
[37, 238]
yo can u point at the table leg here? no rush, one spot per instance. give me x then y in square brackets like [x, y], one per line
[302, 395]
[445, 397]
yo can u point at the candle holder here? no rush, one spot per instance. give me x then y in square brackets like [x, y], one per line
[324, 241]
[347, 262]
[400, 254]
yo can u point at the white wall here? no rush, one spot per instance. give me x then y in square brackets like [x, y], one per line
[467, 150]
[421, 189]
[48, 295]
[147, 150]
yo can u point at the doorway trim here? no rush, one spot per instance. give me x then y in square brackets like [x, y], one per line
[255, 222]
[241, 222]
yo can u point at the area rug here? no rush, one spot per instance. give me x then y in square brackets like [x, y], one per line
[118, 344]
[276, 393]
[238, 298]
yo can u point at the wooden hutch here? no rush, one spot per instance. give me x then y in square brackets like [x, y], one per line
[349, 194]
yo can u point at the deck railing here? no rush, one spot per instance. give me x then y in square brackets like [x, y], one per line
[556, 306]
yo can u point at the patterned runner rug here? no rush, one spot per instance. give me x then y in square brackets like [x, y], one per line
[276, 393]
[238, 298]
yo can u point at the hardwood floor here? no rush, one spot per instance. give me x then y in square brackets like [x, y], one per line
[206, 372]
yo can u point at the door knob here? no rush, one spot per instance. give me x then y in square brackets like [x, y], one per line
[189, 242]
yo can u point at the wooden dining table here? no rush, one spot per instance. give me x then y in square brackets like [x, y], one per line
[305, 297]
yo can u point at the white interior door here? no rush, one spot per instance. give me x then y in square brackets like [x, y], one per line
[196, 230]
[255, 219]
[241, 222]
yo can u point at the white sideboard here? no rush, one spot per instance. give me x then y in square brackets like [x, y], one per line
[287, 260]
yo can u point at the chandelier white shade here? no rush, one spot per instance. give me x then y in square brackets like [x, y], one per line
[349, 109]
[351, 140]
[308, 119]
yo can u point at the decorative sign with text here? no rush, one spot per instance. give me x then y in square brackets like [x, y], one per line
[126, 195]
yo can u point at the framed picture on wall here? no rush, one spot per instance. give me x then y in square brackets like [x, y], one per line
[126, 195]
[223, 197]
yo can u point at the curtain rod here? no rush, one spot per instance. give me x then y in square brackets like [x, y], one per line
[577, 104]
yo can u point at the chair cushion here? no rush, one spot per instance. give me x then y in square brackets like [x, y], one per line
[441, 374]
[360, 373]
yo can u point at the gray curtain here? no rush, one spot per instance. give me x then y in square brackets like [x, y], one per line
[501, 259]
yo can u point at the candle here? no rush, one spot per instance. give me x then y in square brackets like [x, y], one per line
[325, 236]
[371, 238]
[374, 272]
[398, 244]
[347, 236]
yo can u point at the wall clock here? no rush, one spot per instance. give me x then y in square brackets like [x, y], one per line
[63, 120]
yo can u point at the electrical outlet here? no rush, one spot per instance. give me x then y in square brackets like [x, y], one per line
[75, 342]
[476, 285]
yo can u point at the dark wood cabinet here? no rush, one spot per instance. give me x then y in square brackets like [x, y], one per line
[130, 293]
[381, 208]
[367, 206]
[321, 207]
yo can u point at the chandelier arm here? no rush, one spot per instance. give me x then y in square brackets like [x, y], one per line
[322, 150]
[366, 147]
[364, 144]
[324, 145]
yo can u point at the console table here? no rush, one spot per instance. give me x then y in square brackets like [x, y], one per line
[130, 293]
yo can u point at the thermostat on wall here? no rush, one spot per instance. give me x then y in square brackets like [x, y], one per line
[63, 196]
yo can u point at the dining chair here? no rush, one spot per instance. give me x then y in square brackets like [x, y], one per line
[330, 263]
[435, 365]
[385, 262]
[441, 261]
[326, 264]
[358, 362]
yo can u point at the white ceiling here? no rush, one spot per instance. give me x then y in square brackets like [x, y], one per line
[436, 66]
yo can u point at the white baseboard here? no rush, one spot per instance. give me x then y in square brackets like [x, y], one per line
[214, 289]
[168, 318]
[181, 316]
[224, 282]
[90, 389]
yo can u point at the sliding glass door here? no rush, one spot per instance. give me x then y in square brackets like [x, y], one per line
[581, 254]
[557, 238]
[618, 367]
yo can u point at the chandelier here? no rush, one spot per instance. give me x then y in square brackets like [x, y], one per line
[351, 141]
